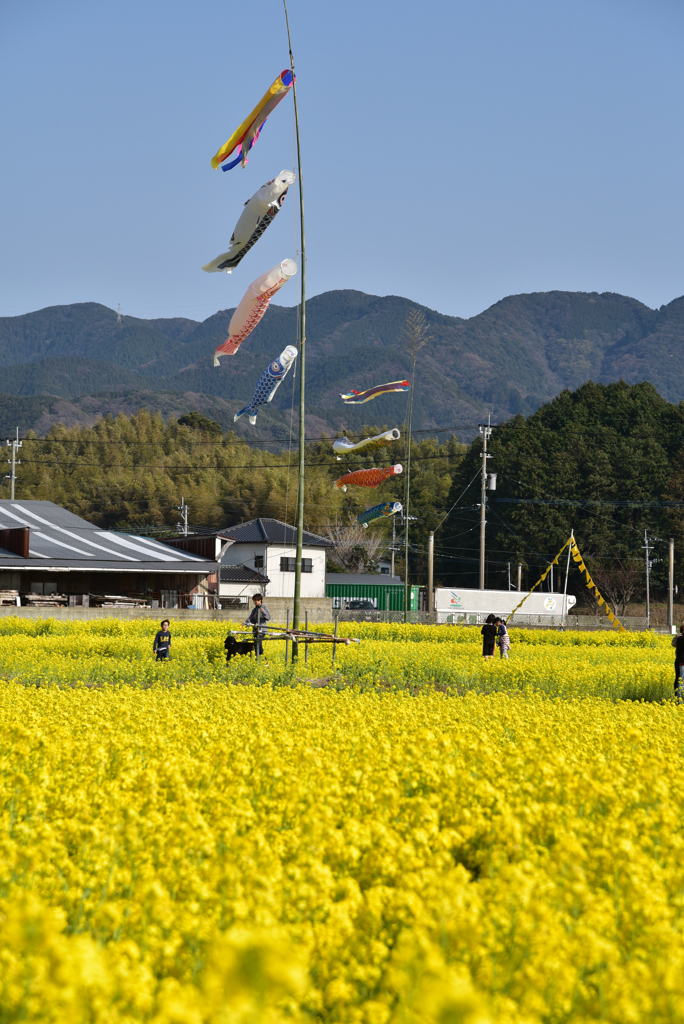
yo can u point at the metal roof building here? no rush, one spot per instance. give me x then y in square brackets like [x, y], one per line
[241, 574]
[46, 550]
[272, 531]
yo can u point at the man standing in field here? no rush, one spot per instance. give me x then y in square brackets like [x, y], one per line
[162, 642]
[678, 644]
[258, 615]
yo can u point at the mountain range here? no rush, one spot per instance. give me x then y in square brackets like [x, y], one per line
[73, 363]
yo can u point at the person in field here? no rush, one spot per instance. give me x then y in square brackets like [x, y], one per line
[488, 638]
[259, 615]
[162, 642]
[503, 641]
[678, 644]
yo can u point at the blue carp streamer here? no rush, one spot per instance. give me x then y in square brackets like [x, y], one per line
[268, 383]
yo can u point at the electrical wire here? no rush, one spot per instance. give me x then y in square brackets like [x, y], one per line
[228, 444]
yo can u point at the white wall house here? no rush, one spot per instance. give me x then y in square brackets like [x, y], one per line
[261, 559]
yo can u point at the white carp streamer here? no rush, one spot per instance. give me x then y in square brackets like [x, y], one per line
[343, 445]
[259, 212]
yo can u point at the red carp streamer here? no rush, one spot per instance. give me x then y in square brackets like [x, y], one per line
[367, 477]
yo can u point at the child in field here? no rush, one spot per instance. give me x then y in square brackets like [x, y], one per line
[502, 638]
[162, 642]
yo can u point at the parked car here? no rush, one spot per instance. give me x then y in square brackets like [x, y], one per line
[360, 605]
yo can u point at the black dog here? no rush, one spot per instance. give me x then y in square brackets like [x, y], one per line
[234, 647]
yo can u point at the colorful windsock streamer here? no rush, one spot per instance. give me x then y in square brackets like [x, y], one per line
[253, 305]
[359, 397]
[343, 445]
[268, 383]
[371, 515]
[259, 212]
[367, 477]
[246, 135]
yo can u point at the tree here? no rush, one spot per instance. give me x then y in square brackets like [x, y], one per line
[196, 421]
[618, 582]
[354, 548]
[599, 460]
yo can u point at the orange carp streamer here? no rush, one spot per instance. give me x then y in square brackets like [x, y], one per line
[367, 477]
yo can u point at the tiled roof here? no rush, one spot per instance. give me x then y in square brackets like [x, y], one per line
[42, 535]
[366, 579]
[271, 531]
[240, 574]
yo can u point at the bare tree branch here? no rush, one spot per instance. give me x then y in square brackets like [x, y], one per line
[354, 548]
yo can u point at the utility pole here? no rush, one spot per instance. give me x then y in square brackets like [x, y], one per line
[394, 534]
[646, 547]
[431, 560]
[184, 510]
[14, 462]
[519, 575]
[485, 430]
[670, 586]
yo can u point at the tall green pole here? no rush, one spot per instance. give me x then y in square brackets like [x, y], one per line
[408, 496]
[302, 367]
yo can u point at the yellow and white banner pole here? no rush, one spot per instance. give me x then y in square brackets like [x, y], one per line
[577, 557]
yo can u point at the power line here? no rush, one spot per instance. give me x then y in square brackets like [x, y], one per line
[590, 502]
[76, 461]
[239, 443]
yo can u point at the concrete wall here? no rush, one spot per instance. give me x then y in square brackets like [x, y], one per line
[319, 609]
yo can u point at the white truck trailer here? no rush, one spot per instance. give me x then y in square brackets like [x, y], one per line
[472, 607]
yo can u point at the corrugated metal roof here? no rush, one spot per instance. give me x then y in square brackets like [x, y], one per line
[271, 531]
[240, 574]
[60, 539]
[358, 579]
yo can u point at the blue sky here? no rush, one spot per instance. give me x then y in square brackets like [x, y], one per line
[453, 152]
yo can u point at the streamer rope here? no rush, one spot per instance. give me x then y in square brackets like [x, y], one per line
[577, 557]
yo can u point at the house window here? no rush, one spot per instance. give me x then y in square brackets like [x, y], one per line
[258, 561]
[289, 565]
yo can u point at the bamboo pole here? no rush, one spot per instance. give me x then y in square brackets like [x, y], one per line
[302, 368]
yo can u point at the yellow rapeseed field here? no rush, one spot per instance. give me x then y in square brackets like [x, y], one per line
[425, 838]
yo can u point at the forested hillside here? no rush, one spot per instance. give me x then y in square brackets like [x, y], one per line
[77, 362]
[606, 460]
[131, 472]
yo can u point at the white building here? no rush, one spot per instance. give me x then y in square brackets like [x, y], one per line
[260, 558]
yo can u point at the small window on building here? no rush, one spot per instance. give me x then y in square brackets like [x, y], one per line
[258, 561]
[49, 588]
[384, 571]
[290, 565]
[36, 588]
